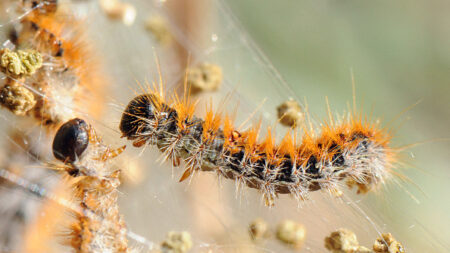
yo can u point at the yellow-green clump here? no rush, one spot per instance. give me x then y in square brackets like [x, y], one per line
[290, 113]
[291, 233]
[344, 241]
[388, 244]
[204, 77]
[177, 242]
[20, 63]
[159, 27]
[18, 99]
[258, 229]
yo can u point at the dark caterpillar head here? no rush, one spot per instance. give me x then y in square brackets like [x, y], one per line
[71, 140]
[137, 115]
[144, 115]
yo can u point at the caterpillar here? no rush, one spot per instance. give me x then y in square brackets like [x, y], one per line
[353, 150]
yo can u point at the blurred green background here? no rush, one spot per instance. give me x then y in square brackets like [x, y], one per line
[399, 52]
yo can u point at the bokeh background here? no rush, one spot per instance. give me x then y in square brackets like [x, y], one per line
[270, 51]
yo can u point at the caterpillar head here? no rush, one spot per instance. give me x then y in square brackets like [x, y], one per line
[71, 140]
[147, 116]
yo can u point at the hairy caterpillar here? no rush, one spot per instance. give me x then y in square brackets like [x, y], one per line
[353, 150]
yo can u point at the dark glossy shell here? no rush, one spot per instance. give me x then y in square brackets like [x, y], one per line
[71, 140]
